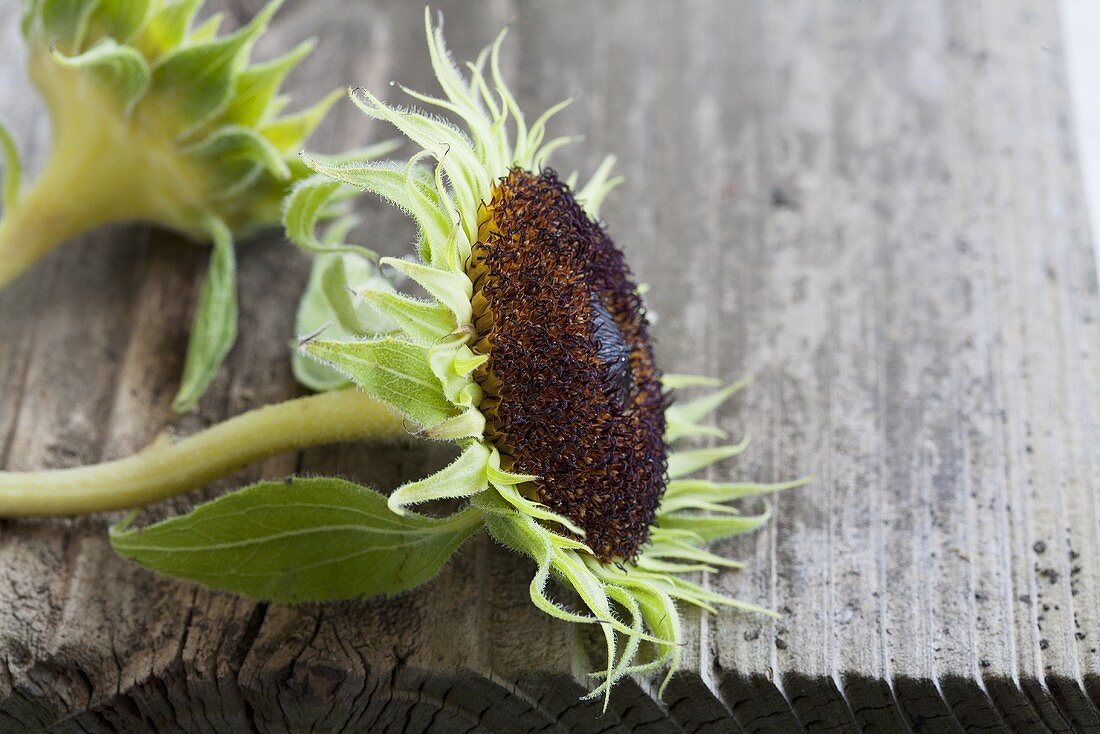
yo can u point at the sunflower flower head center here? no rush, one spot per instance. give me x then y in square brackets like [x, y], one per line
[572, 394]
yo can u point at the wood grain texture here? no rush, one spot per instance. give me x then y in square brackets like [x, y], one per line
[875, 207]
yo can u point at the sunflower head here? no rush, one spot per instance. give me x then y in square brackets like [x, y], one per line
[532, 352]
[569, 359]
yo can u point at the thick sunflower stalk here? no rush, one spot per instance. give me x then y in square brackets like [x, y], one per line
[158, 119]
[527, 349]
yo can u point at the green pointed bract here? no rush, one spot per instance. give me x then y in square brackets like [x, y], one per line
[683, 419]
[421, 321]
[119, 19]
[464, 477]
[391, 370]
[682, 463]
[158, 119]
[713, 525]
[452, 289]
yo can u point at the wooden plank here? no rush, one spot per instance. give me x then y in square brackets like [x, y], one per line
[875, 207]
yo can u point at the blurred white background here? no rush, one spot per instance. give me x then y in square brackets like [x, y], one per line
[1081, 20]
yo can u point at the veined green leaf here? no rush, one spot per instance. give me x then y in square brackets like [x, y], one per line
[166, 28]
[121, 69]
[13, 168]
[117, 19]
[214, 328]
[387, 179]
[300, 540]
[257, 86]
[193, 83]
[391, 370]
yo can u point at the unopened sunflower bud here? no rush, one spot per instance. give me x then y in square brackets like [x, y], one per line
[158, 119]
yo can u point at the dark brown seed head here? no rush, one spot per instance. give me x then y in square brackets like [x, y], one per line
[571, 391]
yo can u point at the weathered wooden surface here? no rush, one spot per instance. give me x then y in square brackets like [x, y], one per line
[873, 206]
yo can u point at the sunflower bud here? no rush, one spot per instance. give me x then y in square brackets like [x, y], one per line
[157, 119]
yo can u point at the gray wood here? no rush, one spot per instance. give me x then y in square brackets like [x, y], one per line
[875, 207]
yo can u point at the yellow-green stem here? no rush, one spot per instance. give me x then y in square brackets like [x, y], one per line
[167, 469]
[66, 199]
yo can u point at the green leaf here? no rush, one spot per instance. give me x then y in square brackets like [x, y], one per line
[449, 145]
[214, 328]
[121, 69]
[300, 540]
[193, 83]
[257, 86]
[64, 22]
[408, 186]
[117, 19]
[166, 28]
[13, 168]
[391, 370]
